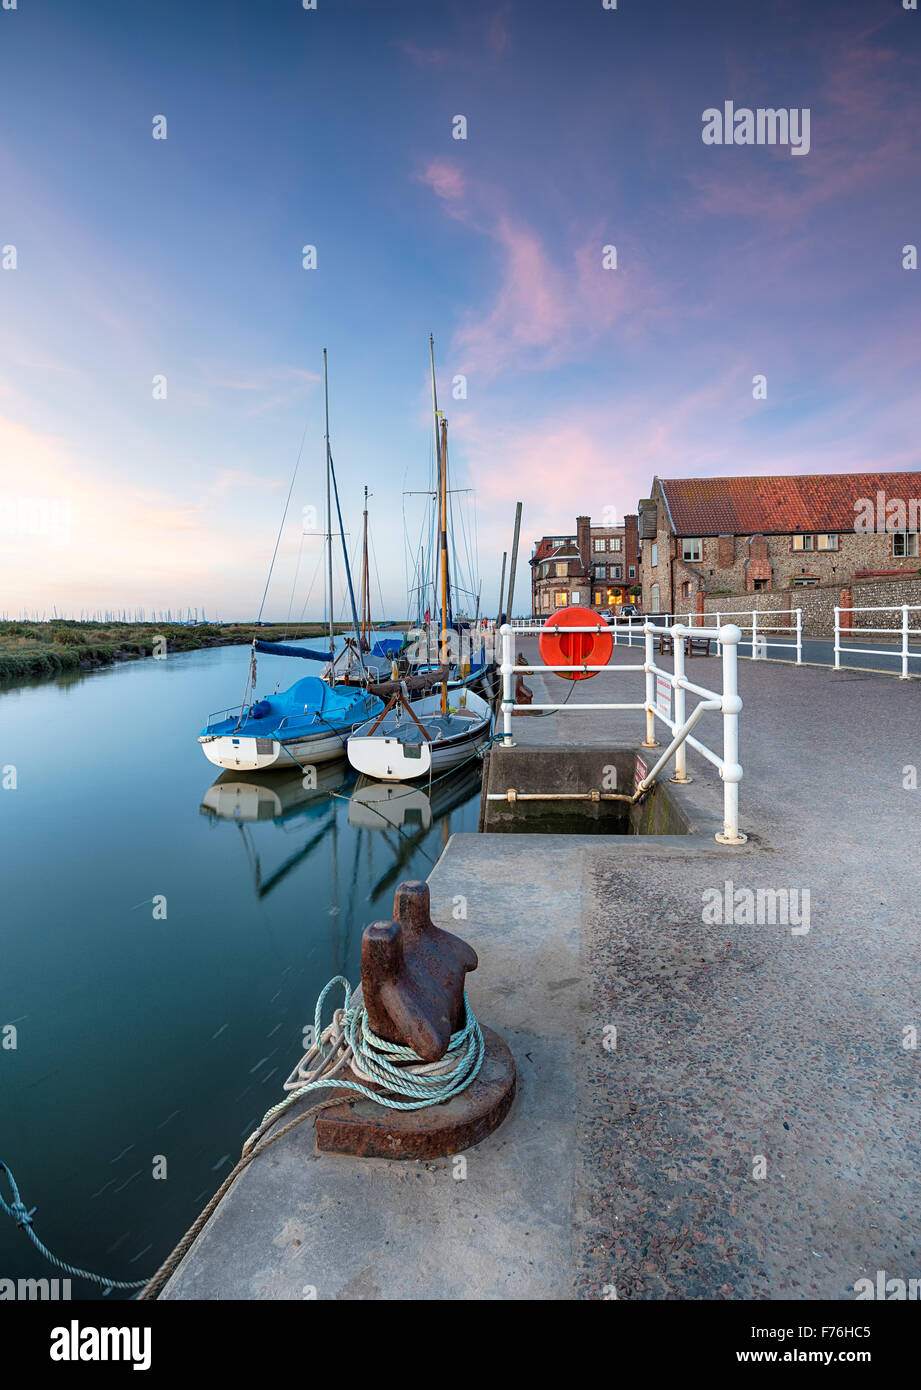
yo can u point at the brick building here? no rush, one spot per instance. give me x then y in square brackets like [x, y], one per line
[714, 536]
[598, 567]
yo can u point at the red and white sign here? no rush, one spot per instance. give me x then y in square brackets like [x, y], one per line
[664, 697]
[639, 772]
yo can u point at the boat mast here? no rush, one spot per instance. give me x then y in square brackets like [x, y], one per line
[329, 525]
[365, 580]
[435, 419]
[443, 479]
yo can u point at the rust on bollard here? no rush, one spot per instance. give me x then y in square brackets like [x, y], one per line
[412, 985]
[412, 976]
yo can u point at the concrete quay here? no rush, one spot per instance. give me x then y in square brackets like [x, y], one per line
[753, 1133]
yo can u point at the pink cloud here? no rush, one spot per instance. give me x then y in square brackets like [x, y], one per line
[445, 180]
[548, 305]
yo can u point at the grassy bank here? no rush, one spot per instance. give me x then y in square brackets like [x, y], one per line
[30, 650]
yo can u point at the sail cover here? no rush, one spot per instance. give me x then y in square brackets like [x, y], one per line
[279, 649]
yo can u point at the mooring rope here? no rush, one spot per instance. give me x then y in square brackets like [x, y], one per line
[19, 1212]
[350, 1042]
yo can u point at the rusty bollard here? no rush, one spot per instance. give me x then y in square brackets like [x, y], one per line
[412, 985]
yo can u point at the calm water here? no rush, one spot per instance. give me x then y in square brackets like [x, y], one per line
[141, 1037]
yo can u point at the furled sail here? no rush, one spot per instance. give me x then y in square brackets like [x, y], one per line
[279, 649]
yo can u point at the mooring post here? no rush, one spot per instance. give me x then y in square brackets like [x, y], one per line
[731, 770]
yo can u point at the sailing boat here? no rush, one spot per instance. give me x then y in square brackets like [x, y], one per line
[432, 734]
[310, 722]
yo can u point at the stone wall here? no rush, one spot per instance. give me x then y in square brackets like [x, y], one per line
[818, 604]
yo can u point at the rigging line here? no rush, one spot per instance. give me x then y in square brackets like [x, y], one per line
[312, 582]
[282, 526]
[345, 557]
[377, 572]
[297, 569]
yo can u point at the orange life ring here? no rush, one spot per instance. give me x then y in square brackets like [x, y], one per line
[575, 648]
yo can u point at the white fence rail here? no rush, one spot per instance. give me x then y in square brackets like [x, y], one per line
[759, 625]
[899, 633]
[657, 703]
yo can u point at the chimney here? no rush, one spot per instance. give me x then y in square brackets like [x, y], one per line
[584, 540]
[631, 540]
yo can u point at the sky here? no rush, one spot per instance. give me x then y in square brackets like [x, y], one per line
[181, 258]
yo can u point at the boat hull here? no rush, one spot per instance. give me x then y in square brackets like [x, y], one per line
[257, 754]
[388, 757]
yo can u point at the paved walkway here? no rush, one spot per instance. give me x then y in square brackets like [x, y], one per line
[755, 1131]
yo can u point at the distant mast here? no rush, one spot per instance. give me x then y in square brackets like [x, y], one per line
[365, 583]
[329, 524]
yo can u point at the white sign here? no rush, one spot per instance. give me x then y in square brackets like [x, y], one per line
[664, 697]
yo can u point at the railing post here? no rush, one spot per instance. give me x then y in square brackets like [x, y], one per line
[508, 691]
[904, 675]
[837, 638]
[719, 623]
[799, 636]
[681, 770]
[731, 771]
[754, 634]
[650, 740]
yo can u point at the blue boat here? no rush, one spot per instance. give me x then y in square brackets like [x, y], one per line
[299, 727]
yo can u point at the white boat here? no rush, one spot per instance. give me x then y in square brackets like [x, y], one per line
[418, 740]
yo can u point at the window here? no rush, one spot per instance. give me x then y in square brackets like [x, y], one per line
[615, 543]
[561, 570]
[691, 549]
[598, 599]
[561, 599]
[804, 542]
[655, 552]
[804, 581]
[761, 583]
[904, 543]
[827, 542]
[631, 572]
[654, 597]
[686, 589]
[615, 571]
[601, 572]
[601, 545]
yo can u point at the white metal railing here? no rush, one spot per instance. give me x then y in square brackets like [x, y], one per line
[727, 702]
[758, 628]
[901, 632]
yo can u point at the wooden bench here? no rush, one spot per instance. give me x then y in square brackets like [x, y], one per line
[693, 646]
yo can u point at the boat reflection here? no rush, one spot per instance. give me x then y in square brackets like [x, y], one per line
[245, 796]
[369, 834]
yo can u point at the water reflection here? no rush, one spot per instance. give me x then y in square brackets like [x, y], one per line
[332, 806]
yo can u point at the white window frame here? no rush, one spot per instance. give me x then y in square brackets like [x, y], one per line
[826, 540]
[804, 541]
[655, 552]
[688, 545]
[599, 546]
[906, 538]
